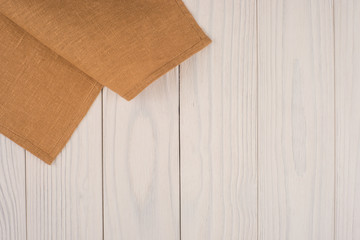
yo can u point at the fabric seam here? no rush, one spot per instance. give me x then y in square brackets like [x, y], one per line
[38, 151]
[189, 17]
[165, 68]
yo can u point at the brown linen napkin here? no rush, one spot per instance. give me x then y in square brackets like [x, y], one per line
[42, 96]
[55, 55]
[122, 44]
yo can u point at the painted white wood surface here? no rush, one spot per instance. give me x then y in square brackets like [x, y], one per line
[12, 191]
[347, 79]
[141, 163]
[268, 129]
[64, 200]
[218, 98]
[296, 119]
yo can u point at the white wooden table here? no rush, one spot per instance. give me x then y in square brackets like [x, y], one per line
[256, 137]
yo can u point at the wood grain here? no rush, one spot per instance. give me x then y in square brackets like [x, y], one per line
[218, 125]
[64, 200]
[12, 191]
[347, 79]
[296, 119]
[141, 163]
[269, 140]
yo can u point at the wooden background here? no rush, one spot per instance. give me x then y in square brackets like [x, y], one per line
[255, 137]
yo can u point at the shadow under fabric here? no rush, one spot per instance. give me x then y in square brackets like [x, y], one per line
[56, 55]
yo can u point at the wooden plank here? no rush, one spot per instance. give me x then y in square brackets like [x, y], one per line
[347, 79]
[12, 190]
[141, 163]
[218, 125]
[64, 200]
[296, 119]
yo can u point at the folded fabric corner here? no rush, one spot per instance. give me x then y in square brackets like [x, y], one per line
[124, 45]
[55, 56]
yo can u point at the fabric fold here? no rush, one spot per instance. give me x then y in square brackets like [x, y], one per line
[56, 55]
[124, 45]
[42, 96]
